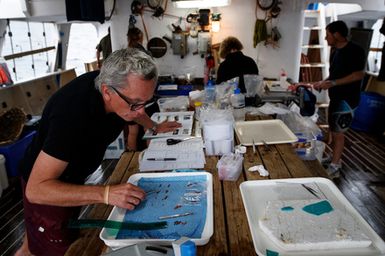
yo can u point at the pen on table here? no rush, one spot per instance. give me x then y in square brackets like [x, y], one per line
[162, 159]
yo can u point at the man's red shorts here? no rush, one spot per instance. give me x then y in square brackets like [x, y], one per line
[46, 227]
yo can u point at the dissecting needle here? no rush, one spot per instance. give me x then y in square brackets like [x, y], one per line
[175, 215]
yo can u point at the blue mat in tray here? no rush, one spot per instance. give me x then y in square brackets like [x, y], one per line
[169, 196]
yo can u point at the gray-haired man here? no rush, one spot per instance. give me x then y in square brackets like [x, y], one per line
[78, 123]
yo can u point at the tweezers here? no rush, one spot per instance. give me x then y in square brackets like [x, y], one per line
[311, 190]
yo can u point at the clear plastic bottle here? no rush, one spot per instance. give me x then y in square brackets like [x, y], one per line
[282, 79]
[197, 105]
[238, 102]
[210, 92]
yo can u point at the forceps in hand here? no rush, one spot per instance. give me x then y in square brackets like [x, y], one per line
[176, 141]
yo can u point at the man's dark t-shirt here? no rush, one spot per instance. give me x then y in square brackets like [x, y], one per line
[236, 64]
[343, 62]
[104, 46]
[74, 128]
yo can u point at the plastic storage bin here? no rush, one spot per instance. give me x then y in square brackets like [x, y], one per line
[3, 174]
[173, 104]
[370, 114]
[14, 152]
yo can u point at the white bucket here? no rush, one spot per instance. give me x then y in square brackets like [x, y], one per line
[3, 174]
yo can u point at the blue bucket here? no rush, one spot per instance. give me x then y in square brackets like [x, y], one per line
[370, 114]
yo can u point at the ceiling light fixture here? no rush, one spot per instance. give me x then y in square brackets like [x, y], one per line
[200, 3]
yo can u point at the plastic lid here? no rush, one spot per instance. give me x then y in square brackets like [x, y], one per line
[210, 82]
[237, 91]
[197, 103]
[188, 248]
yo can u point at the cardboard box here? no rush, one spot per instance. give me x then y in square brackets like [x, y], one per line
[375, 86]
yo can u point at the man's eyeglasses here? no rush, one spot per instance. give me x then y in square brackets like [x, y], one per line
[133, 106]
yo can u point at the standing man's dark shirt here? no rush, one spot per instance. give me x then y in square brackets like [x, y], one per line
[343, 62]
[104, 46]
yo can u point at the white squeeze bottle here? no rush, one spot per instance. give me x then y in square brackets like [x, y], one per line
[238, 102]
[282, 79]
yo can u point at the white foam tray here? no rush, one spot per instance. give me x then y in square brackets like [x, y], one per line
[117, 214]
[256, 194]
[271, 131]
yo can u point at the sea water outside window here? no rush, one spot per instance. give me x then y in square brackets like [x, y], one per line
[82, 45]
[25, 36]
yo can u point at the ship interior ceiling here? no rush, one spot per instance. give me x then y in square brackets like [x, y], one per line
[362, 179]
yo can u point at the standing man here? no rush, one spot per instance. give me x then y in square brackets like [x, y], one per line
[347, 63]
[104, 46]
[78, 123]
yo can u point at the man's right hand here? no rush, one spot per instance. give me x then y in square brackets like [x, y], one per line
[126, 195]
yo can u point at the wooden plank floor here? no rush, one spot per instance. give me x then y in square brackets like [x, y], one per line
[362, 182]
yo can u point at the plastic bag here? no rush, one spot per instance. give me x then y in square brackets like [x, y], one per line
[223, 92]
[230, 166]
[253, 85]
[301, 126]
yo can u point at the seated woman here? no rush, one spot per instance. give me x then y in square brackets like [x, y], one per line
[236, 64]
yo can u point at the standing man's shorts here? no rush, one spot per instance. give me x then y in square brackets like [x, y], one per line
[340, 116]
[46, 227]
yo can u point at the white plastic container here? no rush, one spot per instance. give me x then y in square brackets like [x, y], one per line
[282, 79]
[218, 131]
[257, 193]
[173, 104]
[3, 175]
[238, 103]
[117, 214]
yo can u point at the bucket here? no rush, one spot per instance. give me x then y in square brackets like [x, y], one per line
[370, 114]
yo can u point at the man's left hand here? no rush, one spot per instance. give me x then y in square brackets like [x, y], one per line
[322, 85]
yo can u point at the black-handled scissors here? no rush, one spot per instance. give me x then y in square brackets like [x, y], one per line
[176, 141]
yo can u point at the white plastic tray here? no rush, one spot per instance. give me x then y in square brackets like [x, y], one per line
[117, 214]
[271, 131]
[256, 194]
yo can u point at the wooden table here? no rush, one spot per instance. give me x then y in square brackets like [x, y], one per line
[231, 231]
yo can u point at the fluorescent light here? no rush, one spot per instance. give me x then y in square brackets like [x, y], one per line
[200, 3]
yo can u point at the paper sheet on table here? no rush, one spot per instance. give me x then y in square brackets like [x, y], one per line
[189, 154]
